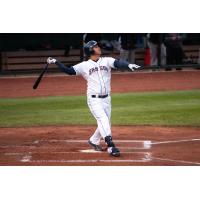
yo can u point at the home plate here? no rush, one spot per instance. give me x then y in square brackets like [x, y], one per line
[89, 151]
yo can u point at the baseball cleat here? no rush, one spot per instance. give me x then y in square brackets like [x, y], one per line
[95, 146]
[113, 151]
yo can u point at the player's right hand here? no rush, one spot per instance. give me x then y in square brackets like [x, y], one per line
[133, 66]
[51, 60]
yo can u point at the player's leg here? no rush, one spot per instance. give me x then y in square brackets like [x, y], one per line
[98, 108]
[112, 149]
[96, 137]
[107, 107]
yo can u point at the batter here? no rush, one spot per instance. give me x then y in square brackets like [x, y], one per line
[97, 72]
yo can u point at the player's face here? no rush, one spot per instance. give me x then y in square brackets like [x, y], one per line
[97, 50]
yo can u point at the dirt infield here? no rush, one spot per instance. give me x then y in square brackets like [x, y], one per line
[67, 145]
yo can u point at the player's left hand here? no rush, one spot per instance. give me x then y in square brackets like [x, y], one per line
[133, 66]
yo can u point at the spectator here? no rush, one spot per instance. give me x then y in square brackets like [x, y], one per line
[127, 51]
[175, 54]
[154, 39]
[110, 41]
[140, 40]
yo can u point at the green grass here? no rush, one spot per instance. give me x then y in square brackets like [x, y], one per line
[152, 108]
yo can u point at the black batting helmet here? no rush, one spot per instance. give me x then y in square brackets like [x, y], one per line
[88, 47]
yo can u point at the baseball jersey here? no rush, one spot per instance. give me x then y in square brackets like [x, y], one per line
[97, 74]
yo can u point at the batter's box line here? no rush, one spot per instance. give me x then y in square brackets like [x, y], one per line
[146, 144]
[146, 158]
[85, 141]
[86, 151]
[89, 161]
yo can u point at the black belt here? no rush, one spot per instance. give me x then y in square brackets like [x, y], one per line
[99, 96]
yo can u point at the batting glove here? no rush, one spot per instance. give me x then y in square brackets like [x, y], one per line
[133, 66]
[51, 60]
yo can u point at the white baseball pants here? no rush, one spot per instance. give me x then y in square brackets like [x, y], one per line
[101, 110]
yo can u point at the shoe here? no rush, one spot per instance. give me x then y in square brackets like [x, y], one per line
[95, 146]
[113, 151]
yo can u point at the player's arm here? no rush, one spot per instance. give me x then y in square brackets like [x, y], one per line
[122, 64]
[62, 67]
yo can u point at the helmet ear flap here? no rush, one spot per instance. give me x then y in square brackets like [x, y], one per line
[91, 51]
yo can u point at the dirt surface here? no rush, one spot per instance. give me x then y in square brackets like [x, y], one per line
[67, 145]
[76, 85]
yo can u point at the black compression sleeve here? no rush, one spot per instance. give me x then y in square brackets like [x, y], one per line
[121, 64]
[67, 70]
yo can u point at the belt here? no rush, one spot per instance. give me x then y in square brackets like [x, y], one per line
[99, 96]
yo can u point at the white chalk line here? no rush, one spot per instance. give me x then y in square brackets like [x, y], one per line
[87, 151]
[178, 161]
[145, 144]
[146, 158]
[175, 141]
[85, 141]
[88, 161]
[34, 147]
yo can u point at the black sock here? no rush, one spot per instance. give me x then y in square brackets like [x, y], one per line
[109, 142]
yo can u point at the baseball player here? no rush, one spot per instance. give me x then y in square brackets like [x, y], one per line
[97, 72]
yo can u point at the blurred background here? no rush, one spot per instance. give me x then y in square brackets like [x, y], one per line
[27, 52]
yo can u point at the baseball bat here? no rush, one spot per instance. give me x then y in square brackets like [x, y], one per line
[40, 78]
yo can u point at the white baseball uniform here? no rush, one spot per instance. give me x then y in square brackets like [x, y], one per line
[98, 76]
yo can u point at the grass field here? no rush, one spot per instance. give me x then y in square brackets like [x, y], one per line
[153, 108]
